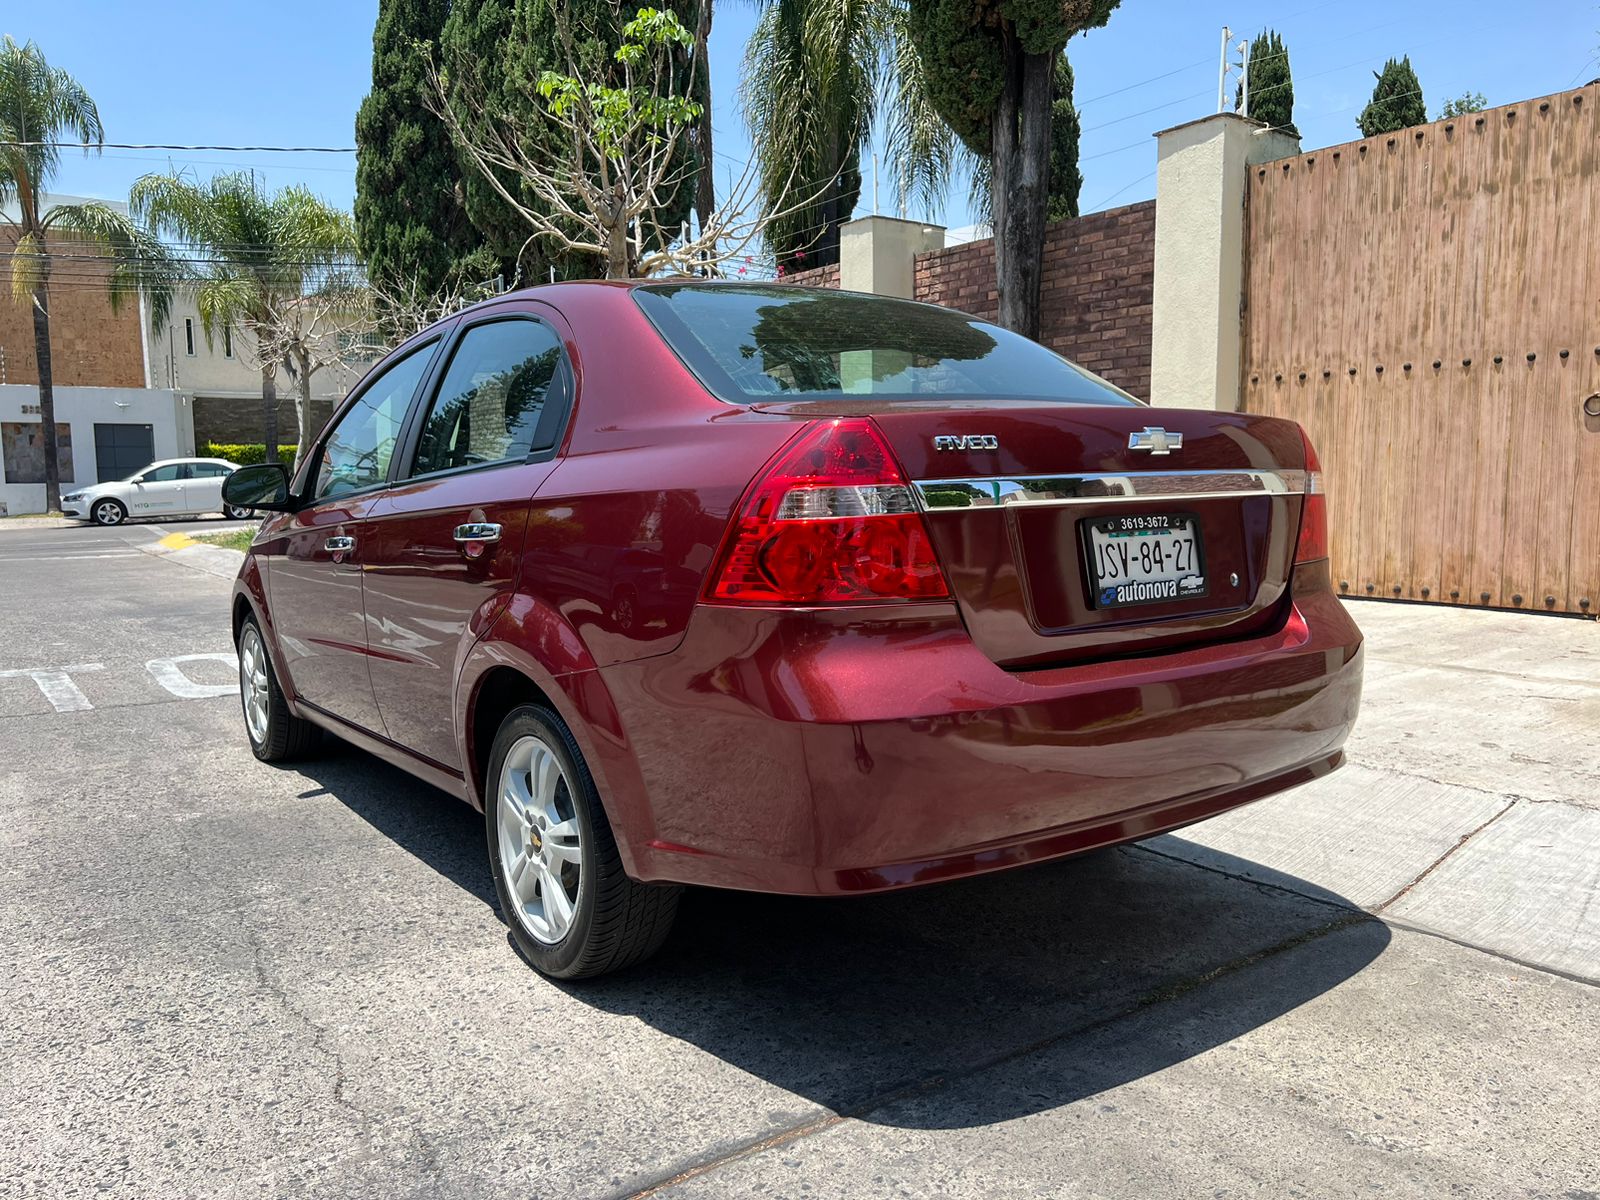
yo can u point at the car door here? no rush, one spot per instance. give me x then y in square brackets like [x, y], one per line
[202, 491]
[316, 562]
[158, 492]
[448, 536]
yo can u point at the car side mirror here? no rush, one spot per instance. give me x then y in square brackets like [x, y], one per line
[137, 479]
[264, 486]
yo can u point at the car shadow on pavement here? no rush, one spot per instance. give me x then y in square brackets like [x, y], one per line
[874, 1007]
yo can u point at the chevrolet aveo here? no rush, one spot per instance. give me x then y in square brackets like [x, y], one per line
[787, 590]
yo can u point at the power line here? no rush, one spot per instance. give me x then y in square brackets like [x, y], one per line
[175, 146]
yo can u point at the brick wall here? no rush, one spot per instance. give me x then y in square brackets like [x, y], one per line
[1099, 280]
[238, 419]
[90, 345]
[827, 277]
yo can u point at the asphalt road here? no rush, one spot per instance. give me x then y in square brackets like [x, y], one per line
[225, 979]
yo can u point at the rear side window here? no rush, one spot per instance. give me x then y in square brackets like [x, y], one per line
[753, 343]
[499, 400]
[208, 471]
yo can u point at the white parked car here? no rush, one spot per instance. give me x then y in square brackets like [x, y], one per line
[173, 487]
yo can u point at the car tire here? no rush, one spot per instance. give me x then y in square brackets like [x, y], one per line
[276, 734]
[556, 829]
[234, 513]
[107, 512]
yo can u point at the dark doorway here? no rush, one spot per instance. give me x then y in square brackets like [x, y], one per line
[120, 450]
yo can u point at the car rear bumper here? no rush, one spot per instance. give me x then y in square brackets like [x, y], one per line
[838, 752]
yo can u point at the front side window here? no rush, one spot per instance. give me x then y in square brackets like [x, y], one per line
[357, 452]
[170, 473]
[749, 343]
[502, 378]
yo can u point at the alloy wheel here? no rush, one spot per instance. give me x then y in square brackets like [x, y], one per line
[540, 843]
[253, 684]
[108, 512]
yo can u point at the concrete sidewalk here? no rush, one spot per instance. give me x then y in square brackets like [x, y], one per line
[1471, 805]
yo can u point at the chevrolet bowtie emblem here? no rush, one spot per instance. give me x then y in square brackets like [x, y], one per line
[1155, 440]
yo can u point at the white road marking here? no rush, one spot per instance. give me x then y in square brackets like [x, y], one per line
[169, 674]
[56, 684]
[11, 558]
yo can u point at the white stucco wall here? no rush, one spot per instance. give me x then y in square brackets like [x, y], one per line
[167, 412]
[878, 254]
[1201, 170]
[210, 372]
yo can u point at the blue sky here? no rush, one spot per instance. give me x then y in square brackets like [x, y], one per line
[191, 72]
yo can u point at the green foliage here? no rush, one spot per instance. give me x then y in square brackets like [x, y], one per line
[43, 104]
[475, 38]
[1271, 87]
[1396, 100]
[258, 252]
[412, 230]
[1066, 180]
[613, 109]
[494, 54]
[244, 453]
[809, 91]
[965, 47]
[1467, 102]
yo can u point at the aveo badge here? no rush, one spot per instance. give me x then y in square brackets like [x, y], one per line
[967, 441]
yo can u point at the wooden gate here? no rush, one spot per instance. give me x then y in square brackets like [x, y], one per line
[1427, 303]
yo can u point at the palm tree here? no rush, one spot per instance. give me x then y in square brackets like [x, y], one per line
[264, 259]
[817, 76]
[40, 107]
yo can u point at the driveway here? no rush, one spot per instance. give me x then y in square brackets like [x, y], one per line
[226, 979]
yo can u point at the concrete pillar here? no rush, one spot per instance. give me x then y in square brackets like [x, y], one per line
[878, 254]
[1201, 169]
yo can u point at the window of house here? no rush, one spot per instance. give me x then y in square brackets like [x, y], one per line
[188, 336]
[492, 403]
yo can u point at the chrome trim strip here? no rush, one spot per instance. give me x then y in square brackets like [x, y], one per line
[935, 495]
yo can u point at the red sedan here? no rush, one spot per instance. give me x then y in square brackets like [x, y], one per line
[789, 590]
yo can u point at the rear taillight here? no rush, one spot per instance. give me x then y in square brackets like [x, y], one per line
[830, 521]
[1313, 543]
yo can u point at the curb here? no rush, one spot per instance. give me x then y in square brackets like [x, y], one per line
[182, 549]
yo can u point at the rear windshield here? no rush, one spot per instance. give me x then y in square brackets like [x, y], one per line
[752, 343]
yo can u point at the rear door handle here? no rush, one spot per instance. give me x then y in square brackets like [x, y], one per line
[338, 544]
[478, 531]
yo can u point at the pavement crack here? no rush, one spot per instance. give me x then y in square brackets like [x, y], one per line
[1164, 994]
[1443, 858]
[320, 1033]
[1264, 885]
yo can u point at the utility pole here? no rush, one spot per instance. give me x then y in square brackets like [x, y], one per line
[1244, 77]
[1222, 71]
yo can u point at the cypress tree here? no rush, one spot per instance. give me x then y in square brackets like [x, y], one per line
[1271, 96]
[1396, 100]
[1066, 180]
[409, 223]
[990, 70]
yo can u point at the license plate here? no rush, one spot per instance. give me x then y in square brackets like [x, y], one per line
[1145, 559]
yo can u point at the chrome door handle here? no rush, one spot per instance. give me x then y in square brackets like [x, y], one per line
[478, 531]
[339, 544]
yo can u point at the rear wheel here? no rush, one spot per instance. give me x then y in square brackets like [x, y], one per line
[108, 512]
[276, 734]
[572, 910]
[234, 513]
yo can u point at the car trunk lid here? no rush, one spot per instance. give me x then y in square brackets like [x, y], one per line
[1012, 492]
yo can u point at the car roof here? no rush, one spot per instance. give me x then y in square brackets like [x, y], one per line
[167, 462]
